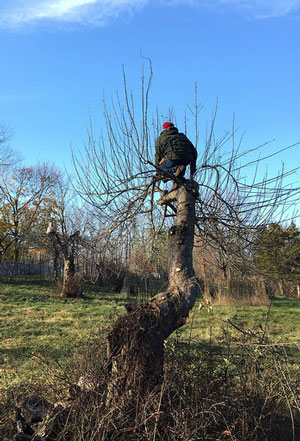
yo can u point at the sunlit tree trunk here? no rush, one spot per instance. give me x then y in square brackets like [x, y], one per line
[68, 278]
[280, 289]
[72, 285]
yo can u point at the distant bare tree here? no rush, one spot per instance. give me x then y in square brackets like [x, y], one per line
[115, 176]
[67, 245]
[23, 191]
[67, 222]
[8, 157]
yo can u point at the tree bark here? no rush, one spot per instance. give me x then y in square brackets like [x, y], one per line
[136, 343]
[280, 288]
[72, 283]
[72, 286]
[55, 264]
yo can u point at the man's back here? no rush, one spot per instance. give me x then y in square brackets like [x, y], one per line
[175, 146]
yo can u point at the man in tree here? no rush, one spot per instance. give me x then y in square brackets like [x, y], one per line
[173, 152]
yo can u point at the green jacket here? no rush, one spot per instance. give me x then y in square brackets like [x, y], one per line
[175, 146]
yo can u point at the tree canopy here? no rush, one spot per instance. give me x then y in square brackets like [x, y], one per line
[115, 171]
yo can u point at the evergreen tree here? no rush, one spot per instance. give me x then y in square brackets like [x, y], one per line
[277, 253]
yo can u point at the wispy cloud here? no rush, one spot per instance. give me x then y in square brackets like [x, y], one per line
[264, 8]
[20, 12]
[97, 12]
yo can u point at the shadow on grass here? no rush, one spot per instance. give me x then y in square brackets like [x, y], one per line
[17, 355]
[284, 302]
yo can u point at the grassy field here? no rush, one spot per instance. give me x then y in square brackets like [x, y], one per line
[37, 324]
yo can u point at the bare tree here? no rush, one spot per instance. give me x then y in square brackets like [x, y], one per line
[8, 157]
[67, 245]
[23, 191]
[115, 176]
[64, 233]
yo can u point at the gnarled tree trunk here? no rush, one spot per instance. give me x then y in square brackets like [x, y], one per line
[72, 283]
[136, 343]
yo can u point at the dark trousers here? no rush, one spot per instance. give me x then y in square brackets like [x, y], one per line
[173, 167]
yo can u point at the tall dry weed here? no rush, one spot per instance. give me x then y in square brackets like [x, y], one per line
[239, 388]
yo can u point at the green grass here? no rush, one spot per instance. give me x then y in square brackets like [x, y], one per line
[281, 320]
[35, 323]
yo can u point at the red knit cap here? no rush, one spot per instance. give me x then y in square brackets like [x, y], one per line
[166, 125]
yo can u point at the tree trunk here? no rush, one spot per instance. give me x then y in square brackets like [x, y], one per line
[72, 286]
[14, 267]
[281, 290]
[55, 264]
[136, 343]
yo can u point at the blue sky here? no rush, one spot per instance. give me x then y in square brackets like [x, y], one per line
[59, 55]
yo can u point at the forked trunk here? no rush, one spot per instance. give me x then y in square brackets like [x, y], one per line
[136, 343]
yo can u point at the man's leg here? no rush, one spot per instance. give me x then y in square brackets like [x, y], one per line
[180, 171]
[167, 166]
